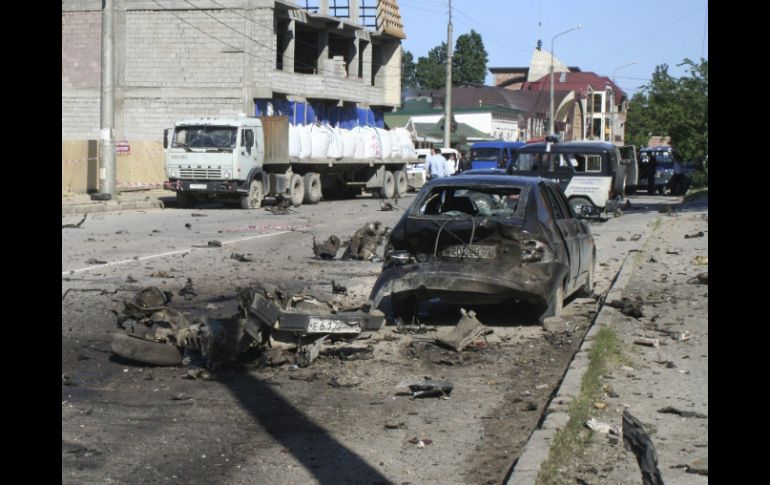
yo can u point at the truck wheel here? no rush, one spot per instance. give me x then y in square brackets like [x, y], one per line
[388, 188]
[296, 189]
[254, 199]
[312, 188]
[401, 183]
[184, 200]
[578, 203]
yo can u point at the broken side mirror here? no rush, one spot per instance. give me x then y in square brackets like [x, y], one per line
[165, 138]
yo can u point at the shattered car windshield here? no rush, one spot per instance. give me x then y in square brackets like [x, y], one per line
[456, 201]
[205, 137]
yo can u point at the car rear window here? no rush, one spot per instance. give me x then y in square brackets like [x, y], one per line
[458, 201]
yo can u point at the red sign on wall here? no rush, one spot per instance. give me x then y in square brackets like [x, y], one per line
[122, 148]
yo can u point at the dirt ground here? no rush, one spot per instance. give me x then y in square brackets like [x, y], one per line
[674, 374]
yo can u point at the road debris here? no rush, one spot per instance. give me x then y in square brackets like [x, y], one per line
[595, 425]
[427, 387]
[188, 291]
[328, 249]
[400, 425]
[188, 225]
[620, 239]
[636, 237]
[75, 226]
[95, 261]
[701, 260]
[691, 236]
[699, 466]
[278, 210]
[160, 274]
[700, 279]
[214, 244]
[198, 214]
[418, 328]
[648, 342]
[241, 258]
[631, 308]
[386, 206]
[339, 289]
[636, 440]
[682, 413]
[467, 330]
[600, 405]
[334, 382]
[556, 325]
[420, 443]
[364, 242]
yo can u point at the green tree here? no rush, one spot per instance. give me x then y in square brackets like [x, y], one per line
[408, 78]
[430, 71]
[469, 63]
[675, 107]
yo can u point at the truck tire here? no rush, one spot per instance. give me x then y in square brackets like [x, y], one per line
[312, 183]
[578, 203]
[388, 188]
[296, 189]
[254, 199]
[401, 184]
[184, 200]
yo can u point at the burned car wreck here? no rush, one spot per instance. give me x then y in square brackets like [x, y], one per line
[485, 239]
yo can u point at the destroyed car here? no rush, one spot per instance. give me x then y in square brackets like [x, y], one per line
[485, 239]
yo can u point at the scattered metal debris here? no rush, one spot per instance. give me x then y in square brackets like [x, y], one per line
[386, 206]
[278, 210]
[101, 291]
[468, 329]
[636, 439]
[327, 250]
[631, 308]
[160, 274]
[188, 225]
[594, 425]
[648, 342]
[701, 260]
[240, 257]
[682, 413]
[636, 237]
[214, 244]
[338, 288]
[95, 261]
[700, 278]
[427, 387]
[197, 214]
[75, 226]
[364, 242]
[691, 236]
[400, 425]
[620, 239]
[420, 443]
[188, 291]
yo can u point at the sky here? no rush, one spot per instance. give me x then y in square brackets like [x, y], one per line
[614, 33]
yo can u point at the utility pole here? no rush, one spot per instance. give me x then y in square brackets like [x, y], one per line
[550, 110]
[448, 97]
[107, 120]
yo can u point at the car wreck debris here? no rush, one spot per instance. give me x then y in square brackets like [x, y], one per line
[328, 249]
[427, 387]
[682, 413]
[188, 291]
[364, 242]
[241, 258]
[467, 330]
[628, 307]
[75, 226]
[214, 244]
[648, 342]
[278, 210]
[636, 440]
[691, 236]
[339, 289]
[95, 261]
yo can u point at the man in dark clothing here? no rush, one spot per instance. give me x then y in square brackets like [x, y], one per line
[652, 166]
[465, 162]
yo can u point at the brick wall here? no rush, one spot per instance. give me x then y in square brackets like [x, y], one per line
[146, 118]
[80, 49]
[80, 118]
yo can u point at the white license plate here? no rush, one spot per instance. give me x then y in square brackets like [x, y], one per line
[328, 325]
[473, 251]
[198, 186]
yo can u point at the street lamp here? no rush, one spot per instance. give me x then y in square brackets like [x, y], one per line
[550, 111]
[612, 111]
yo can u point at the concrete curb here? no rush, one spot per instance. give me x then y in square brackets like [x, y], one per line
[110, 206]
[536, 450]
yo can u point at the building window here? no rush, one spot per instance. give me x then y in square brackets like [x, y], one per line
[596, 128]
[597, 106]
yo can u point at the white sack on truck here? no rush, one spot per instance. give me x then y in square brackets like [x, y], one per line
[348, 143]
[384, 138]
[306, 142]
[335, 143]
[294, 144]
[319, 136]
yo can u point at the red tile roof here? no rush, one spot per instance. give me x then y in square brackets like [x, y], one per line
[575, 81]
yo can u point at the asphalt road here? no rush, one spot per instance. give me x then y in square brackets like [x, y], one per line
[127, 423]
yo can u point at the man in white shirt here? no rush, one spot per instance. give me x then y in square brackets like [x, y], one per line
[437, 165]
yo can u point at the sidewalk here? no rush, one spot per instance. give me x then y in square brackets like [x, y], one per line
[664, 386]
[135, 199]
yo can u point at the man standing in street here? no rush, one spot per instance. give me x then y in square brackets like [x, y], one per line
[437, 165]
[677, 180]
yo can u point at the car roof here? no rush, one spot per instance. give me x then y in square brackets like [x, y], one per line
[569, 146]
[486, 179]
[498, 144]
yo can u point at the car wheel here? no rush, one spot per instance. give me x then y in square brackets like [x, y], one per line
[254, 199]
[555, 305]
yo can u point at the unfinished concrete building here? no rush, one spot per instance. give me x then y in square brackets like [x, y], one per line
[179, 59]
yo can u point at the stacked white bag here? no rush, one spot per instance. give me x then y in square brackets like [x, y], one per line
[335, 143]
[349, 143]
[405, 142]
[383, 136]
[320, 138]
[306, 142]
[294, 144]
[372, 147]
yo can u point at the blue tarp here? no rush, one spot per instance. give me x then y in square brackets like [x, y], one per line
[306, 113]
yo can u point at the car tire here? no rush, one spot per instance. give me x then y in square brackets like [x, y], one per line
[555, 305]
[296, 189]
[401, 183]
[254, 198]
[312, 193]
[577, 203]
[145, 351]
[388, 188]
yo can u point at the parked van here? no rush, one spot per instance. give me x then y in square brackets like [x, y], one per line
[592, 174]
[493, 154]
[663, 171]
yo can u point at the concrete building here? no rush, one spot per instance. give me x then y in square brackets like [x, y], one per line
[177, 59]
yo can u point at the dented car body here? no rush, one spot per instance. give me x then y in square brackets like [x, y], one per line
[485, 239]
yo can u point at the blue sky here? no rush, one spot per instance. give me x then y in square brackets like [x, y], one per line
[614, 33]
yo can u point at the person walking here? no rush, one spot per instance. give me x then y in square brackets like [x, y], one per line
[677, 180]
[437, 165]
[652, 166]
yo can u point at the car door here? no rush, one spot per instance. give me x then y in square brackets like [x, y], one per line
[569, 230]
[584, 237]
